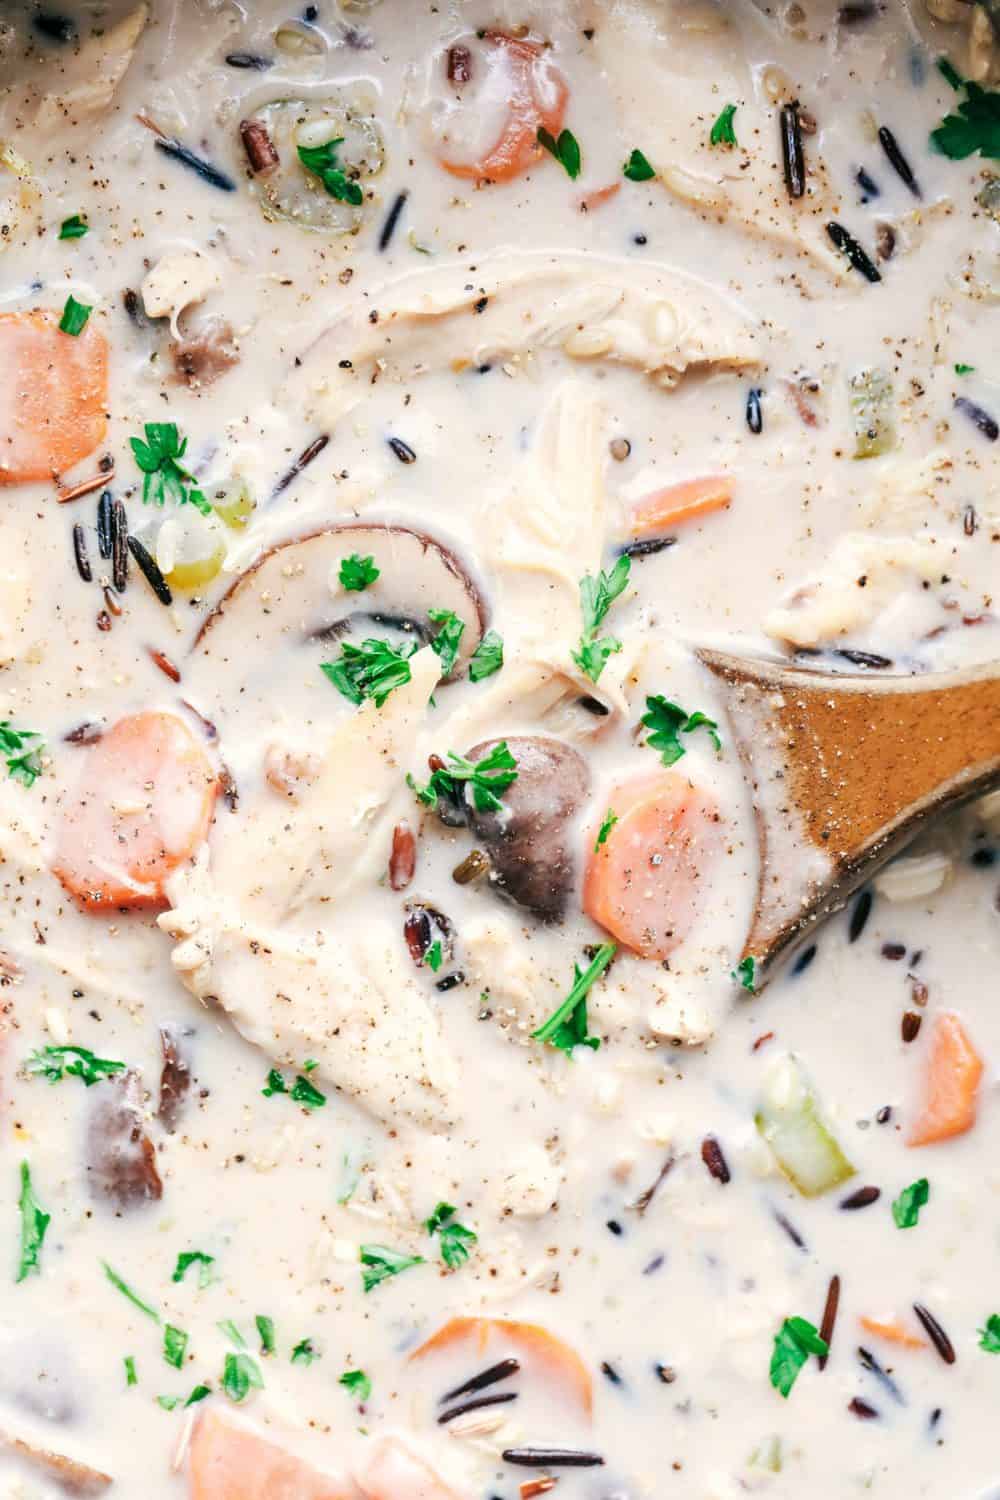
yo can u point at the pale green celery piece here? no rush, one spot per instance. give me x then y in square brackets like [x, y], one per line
[872, 413]
[232, 502]
[767, 1455]
[790, 1121]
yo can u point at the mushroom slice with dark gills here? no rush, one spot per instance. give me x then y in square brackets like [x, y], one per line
[529, 840]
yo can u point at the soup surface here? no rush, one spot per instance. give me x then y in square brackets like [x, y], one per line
[395, 395]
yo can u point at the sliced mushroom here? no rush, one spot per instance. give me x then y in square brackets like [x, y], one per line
[121, 1160]
[528, 841]
[175, 1076]
[72, 1477]
[203, 354]
[293, 595]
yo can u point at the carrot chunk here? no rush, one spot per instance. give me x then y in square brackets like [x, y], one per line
[393, 1472]
[537, 95]
[644, 883]
[141, 808]
[657, 512]
[893, 1332]
[54, 395]
[951, 1085]
[228, 1460]
[491, 1338]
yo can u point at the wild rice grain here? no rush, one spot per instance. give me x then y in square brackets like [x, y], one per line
[490, 1376]
[791, 150]
[936, 1333]
[150, 571]
[500, 1398]
[715, 1161]
[861, 1198]
[80, 553]
[829, 1319]
[119, 546]
[402, 450]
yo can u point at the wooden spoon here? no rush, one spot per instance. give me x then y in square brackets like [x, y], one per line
[844, 770]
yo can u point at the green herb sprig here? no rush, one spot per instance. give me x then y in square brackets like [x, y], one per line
[975, 127]
[722, 132]
[164, 476]
[357, 573]
[638, 168]
[372, 670]
[566, 1028]
[596, 597]
[667, 721]
[793, 1344]
[74, 317]
[322, 162]
[456, 1240]
[34, 1223]
[487, 778]
[24, 761]
[487, 657]
[70, 1061]
[906, 1208]
[565, 148]
[378, 1263]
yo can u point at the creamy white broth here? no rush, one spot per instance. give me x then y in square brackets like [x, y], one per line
[673, 1309]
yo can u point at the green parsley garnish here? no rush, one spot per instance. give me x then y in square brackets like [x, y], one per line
[722, 132]
[596, 597]
[229, 1328]
[56, 1063]
[434, 957]
[175, 1342]
[34, 1223]
[239, 1373]
[24, 761]
[302, 1091]
[74, 317]
[198, 1394]
[667, 721]
[357, 572]
[322, 162]
[73, 228]
[989, 1336]
[965, 369]
[122, 1286]
[448, 638]
[131, 1378]
[638, 168]
[169, 1403]
[906, 1208]
[566, 149]
[265, 1327]
[305, 1352]
[745, 972]
[793, 1344]
[487, 777]
[976, 126]
[371, 670]
[194, 1258]
[309, 1065]
[378, 1263]
[357, 1382]
[610, 819]
[456, 1240]
[164, 476]
[487, 657]
[566, 1028]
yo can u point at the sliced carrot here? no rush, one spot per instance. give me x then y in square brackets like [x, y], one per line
[589, 201]
[893, 1332]
[657, 512]
[54, 396]
[491, 1338]
[228, 1460]
[951, 1085]
[643, 884]
[141, 808]
[393, 1472]
[537, 96]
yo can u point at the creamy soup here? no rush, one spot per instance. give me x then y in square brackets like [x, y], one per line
[394, 397]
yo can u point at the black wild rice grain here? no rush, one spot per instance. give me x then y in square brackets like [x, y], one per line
[861, 1198]
[609, 1371]
[860, 913]
[791, 150]
[492, 1375]
[615, 1227]
[80, 553]
[936, 1333]
[842, 239]
[119, 546]
[804, 959]
[884, 1115]
[648, 547]
[893, 951]
[666, 1373]
[789, 1228]
[867, 184]
[593, 706]
[402, 450]
[910, 1025]
[103, 620]
[450, 981]
[249, 60]
[871, 1364]
[262, 154]
[983, 859]
[829, 1318]
[897, 160]
[552, 1458]
[149, 568]
[305, 458]
[87, 733]
[53, 26]
[754, 414]
[392, 220]
[862, 1409]
[654, 1265]
[715, 1161]
[979, 416]
[934, 1418]
[500, 1398]
[104, 535]
[970, 521]
[864, 658]
[214, 176]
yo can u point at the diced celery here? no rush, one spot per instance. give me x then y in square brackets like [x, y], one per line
[790, 1121]
[872, 413]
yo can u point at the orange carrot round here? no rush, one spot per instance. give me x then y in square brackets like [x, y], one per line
[951, 1084]
[53, 405]
[644, 883]
[490, 1338]
[657, 512]
[141, 808]
[537, 98]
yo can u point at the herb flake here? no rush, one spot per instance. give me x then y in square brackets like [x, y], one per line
[322, 162]
[73, 228]
[164, 476]
[667, 721]
[565, 149]
[188, 1258]
[976, 125]
[486, 778]
[69, 1061]
[487, 657]
[372, 670]
[357, 1383]
[240, 1374]
[638, 168]
[989, 1335]
[24, 761]
[906, 1208]
[378, 1263]
[722, 132]
[566, 1028]
[175, 1342]
[357, 573]
[596, 597]
[34, 1223]
[610, 819]
[122, 1286]
[793, 1344]
[74, 317]
[456, 1239]
[448, 638]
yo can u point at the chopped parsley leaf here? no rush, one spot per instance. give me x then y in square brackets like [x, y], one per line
[74, 317]
[239, 1373]
[357, 572]
[175, 1342]
[906, 1208]
[302, 1090]
[668, 721]
[448, 638]
[565, 149]
[304, 1353]
[746, 972]
[357, 1382]
[378, 1263]
[371, 670]
[566, 1028]
[169, 1403]
[229, 1328]
[309, 1065]
[487, 657]
[194, 1258]
[163, 475]
[989, 1336]
[976, 126]
[34, 1223]
[793, 1344]
[722, 132]
[596, 597]
[55, 1063]
[265, 1327]
[638, 168]
[198, 1394]
[24, 761]
[131, 1378]
[610, 819]
[73, 228]
[486, 777]
[951, 74]
[965, 369]
[122, 1286]
[434, 957]
[275, 1084]
[322, 162]
[456, 1239]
